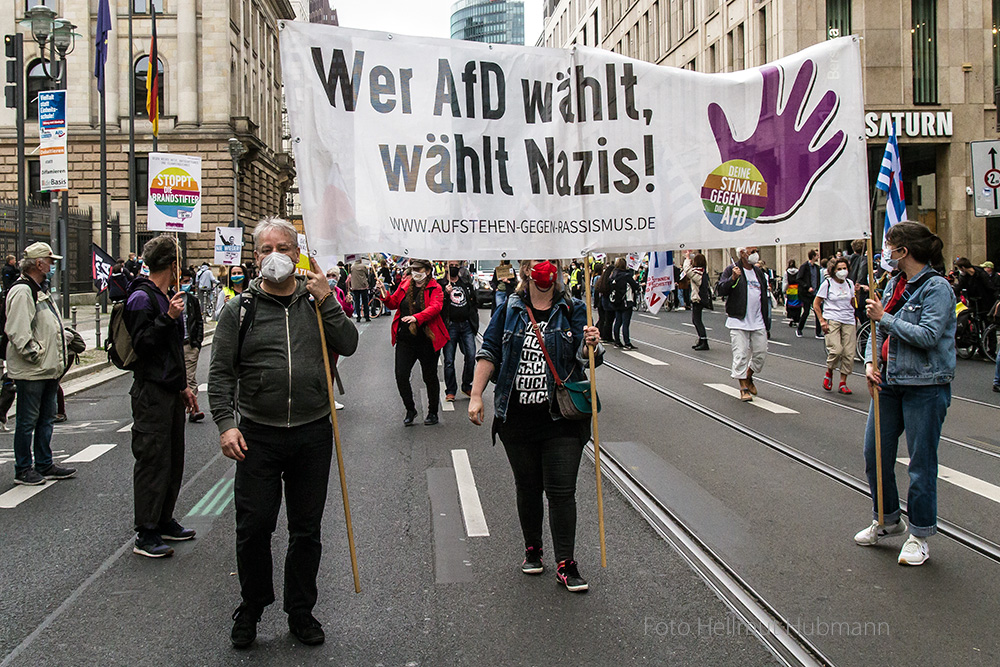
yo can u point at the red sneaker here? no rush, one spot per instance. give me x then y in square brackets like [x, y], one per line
[844, 389]
[828, 381]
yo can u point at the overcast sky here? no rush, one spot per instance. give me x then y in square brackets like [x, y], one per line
[423, 18]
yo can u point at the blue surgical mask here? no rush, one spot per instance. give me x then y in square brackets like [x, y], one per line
[187, 287]
[890, 262]
[236, 279]
[52, 270]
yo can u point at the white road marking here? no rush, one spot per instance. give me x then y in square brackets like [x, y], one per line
[759, 402]
[967, 482]
[126, 428]
[652, 317]
[642, 357]
[447, 406]
[89, 454]
[202, 388]
[472, 509]
[778, 342]
[688, 324]
[11, 499]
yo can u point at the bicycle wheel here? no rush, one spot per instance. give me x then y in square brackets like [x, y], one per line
[989, 342]
[967, 340]
[864, 332]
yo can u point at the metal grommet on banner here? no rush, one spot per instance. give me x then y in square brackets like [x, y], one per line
[389, 36]
[503, 254]
[777, 240]
[682, 246]
[281, 25]
[298, 139]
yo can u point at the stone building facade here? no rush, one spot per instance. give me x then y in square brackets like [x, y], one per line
[929, 65]
[220, 78]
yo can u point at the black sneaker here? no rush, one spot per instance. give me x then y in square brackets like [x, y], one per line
[532, 561]
[29, 477]
[196, 417]
[431, 419]
[149, 543]
[996, 388]
[306, 629]
[176, 532]
[244, 631]
[59, 418]
[568, 575]
[630, 346]
[56, 472]
[410, 416]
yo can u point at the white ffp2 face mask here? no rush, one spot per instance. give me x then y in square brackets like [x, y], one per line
[277, 267]
[753, 257]
[841, 274]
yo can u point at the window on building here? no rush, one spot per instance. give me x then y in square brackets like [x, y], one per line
[51, 4]
[739, 48]
[924, 33]
[838, 18]
[762, 36]
[140, 186]
[37, 80]
[142, 6]
[713, 58]
[996, 42]
[687, 16]
[35, 195]
[140, 71]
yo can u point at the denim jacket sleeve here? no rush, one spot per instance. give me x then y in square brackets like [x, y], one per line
[937, 307]
[578, 320]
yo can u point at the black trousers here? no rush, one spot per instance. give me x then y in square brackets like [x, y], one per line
[410, 350]
[158, 448]
[550, 465]
[699, 326]
[807, 310]
[300, 456]
[360, 297]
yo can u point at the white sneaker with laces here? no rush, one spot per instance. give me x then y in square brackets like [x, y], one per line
[873, 533]
[914, 551]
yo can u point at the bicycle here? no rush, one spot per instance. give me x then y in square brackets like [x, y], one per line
[975, 333]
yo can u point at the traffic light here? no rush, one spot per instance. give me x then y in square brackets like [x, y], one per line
[13, 46]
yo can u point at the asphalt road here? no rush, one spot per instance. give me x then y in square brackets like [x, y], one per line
[74, 594]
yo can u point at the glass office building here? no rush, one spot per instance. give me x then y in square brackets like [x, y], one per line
[490, 21]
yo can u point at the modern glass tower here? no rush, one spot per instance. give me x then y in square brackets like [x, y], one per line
[491, 21]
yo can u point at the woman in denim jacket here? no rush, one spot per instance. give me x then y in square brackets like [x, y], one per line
[544, 449]
[916, 345]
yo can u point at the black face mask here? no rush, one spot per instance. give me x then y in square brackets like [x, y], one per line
[453, 271]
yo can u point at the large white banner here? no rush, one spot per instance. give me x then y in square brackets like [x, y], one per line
[452, 149]
[174, 203]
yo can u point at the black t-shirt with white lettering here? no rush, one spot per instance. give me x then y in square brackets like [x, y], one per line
[529, 398]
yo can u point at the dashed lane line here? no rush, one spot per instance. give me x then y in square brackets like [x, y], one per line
[447, 406]
[468, 495]
[126, 428]
[967, 482]
[89, 454]
[11, 499]
[652, 317]
[759, 402]
[642, 357]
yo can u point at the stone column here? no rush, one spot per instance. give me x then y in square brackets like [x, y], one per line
[187, 62]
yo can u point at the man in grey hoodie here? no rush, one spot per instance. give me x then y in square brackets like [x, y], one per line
[284, 435]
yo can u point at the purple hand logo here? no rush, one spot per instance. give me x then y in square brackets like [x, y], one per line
[781, 146]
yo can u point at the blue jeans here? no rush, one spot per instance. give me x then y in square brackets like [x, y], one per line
[36, 410]
[680, 297]
[996, 376]
[623, 320]
[919, 411]
[500, 298]
[461, 336]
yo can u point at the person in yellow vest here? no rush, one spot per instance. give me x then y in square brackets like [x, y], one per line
[233, 286]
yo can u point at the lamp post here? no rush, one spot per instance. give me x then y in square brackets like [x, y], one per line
[61, 39]
[236, 151]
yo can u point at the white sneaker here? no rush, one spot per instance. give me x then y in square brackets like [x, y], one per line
[914, 551]
[874, 532]
[338, 405]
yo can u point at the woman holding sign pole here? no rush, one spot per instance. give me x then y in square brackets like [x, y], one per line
[915, 343]
[539, 333]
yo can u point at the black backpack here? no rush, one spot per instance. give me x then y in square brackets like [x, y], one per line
[3, 314]
[621, 291]
[118, 343]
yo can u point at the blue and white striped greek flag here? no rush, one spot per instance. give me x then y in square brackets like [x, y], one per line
[890, 181]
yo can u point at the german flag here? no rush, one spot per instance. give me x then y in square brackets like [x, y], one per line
[153, 82]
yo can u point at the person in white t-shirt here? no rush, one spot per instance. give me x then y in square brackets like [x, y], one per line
[834, 306]
[749, 318]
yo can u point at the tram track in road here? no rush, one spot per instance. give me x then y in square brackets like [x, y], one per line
[967, 538]
[771, 353]
[778, 633]
[983, 448]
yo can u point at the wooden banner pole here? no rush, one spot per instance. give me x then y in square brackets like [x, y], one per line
[875, 408]
[336, 440]
[593, 404]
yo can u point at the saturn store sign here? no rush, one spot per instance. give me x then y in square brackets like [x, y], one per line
[909, 123]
